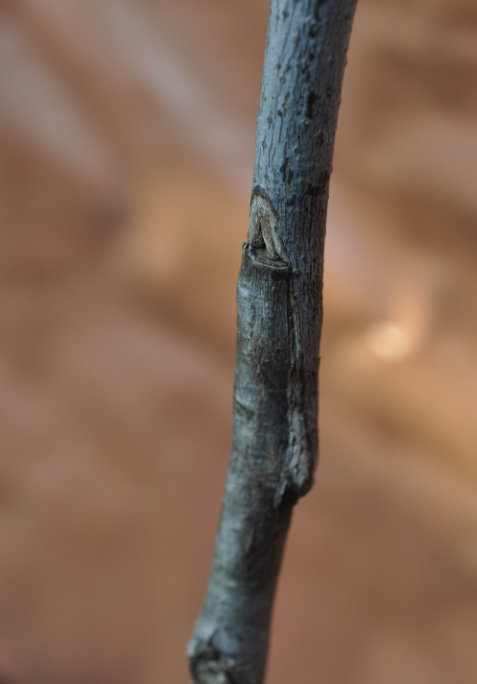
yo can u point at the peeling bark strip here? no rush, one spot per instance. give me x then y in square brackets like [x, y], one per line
[279, 314]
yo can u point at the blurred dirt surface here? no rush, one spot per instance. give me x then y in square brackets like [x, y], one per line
[127, 136]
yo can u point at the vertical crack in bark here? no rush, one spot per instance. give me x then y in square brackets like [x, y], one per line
[297, 473]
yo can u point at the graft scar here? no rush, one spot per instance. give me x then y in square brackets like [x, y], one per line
[297, 472]
[262, 227]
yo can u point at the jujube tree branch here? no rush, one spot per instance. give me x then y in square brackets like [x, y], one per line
[279, 315]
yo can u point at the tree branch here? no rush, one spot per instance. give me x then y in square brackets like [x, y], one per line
[279, 314]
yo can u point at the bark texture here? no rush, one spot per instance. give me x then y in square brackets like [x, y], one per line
[279, 314]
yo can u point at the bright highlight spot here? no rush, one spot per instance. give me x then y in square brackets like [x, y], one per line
[388, 341]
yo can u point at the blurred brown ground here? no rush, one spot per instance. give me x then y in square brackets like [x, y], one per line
[127, 135]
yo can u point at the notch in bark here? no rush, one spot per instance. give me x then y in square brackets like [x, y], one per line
[279, 314]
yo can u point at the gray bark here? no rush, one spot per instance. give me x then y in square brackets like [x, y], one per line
[279, 314]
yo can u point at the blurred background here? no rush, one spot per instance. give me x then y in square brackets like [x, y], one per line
[127, 135]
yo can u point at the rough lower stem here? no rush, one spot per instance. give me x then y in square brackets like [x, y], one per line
[279, 314]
